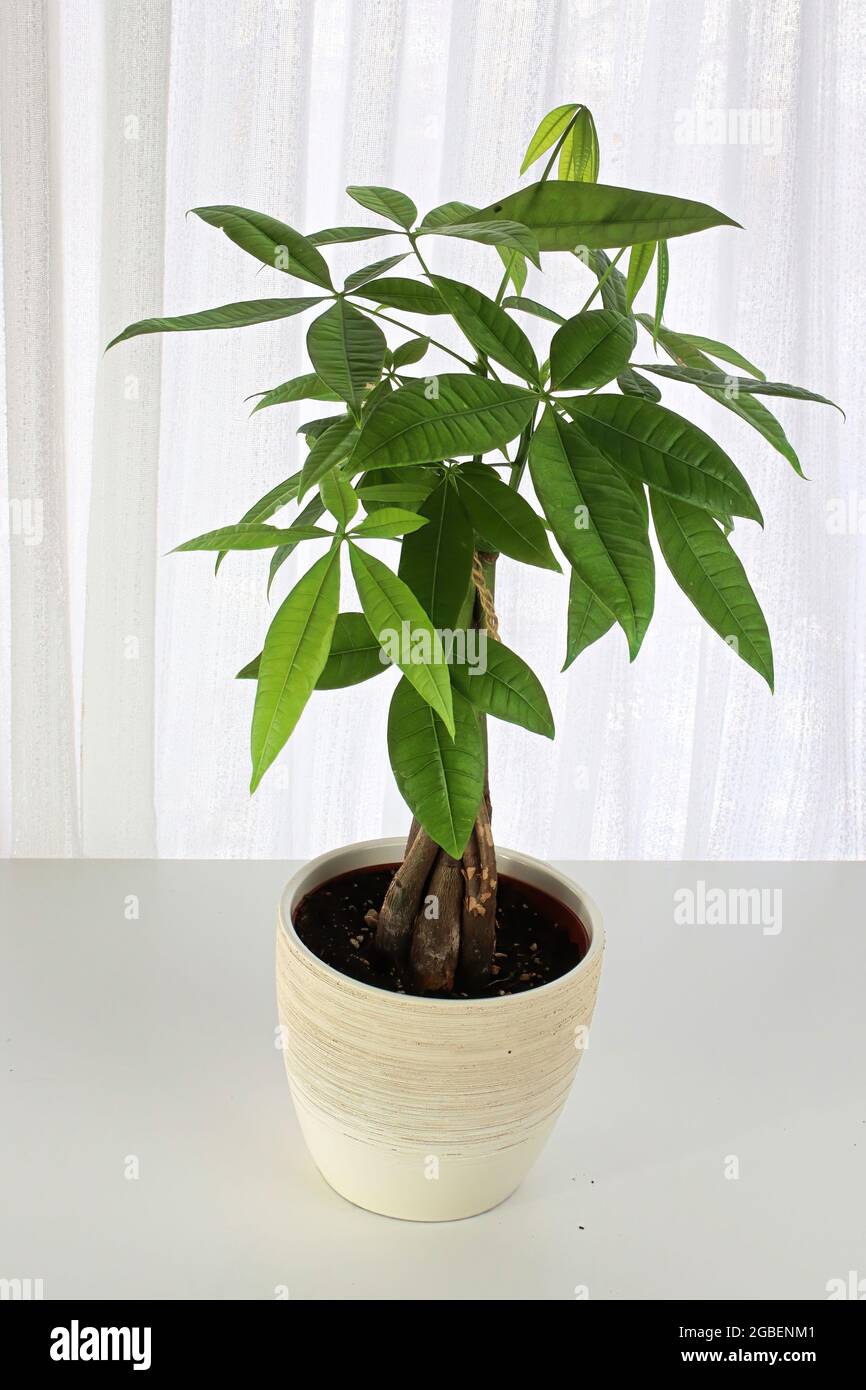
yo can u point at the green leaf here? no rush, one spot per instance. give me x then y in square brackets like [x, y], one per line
[278, 496]
[296, 648]
[597, 522]
[333, 236]
[270, 241]
[579, 156]
[680, 347]
[355, 656]
[347, 350]
[440, 778]
[402, 627]
[308, 516]
[410, 492]
[662, 275]
[468, 416]
[661, 448]
[410, 352]
[388, 522]
[503, 518]
[332, 446]
[566, 215]
[612, 281]
[447, 213]
[515, 265]
[241, 315]
[590, 349]
[488, 327]
[436, 562]
[311, 429]
[587, 619]
[339, 497]
[397, 292]
[386, 202]
[300, 388]
[531, 306]
[548, 131]
[639, 262]
[632, 384]
[503, 685]
[723, 352]
[511, 235]
[709, 572]
[251, 535]
[369, 272]
[737, 385]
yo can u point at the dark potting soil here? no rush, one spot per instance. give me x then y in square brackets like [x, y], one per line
[537, 938]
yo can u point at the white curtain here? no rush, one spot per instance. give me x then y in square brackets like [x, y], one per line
[123, 731]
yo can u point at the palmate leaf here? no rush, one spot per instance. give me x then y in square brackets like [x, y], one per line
[404, 630]
[251, 535]
[590, 349]
[681, 348]
[355, 656]
[737, 385]
[451, 415]
[308, 387]
[387, 202]
[564, 215]
[502, 518]
[663, 449]
[241, 315]
[597, 522]
[436, 562]
[347, 350]
[501, 684]
[270, 241]
[439, 775]
[331, 448]
[399, 292]
[489, 328]
[709, 572]
[296, 648]
[387, 523]
[587, 619]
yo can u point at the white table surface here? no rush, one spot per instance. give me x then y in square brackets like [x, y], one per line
[153, 1039]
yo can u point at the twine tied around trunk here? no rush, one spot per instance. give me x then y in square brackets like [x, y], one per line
[485, 598]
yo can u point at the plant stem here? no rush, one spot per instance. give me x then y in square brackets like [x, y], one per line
[602, 279]
[377, 313]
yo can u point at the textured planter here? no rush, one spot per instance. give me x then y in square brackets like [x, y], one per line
[428, 1109]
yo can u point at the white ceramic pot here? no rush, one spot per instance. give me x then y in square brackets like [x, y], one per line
[428, 1109]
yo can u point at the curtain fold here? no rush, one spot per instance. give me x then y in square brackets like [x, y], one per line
[123, 732]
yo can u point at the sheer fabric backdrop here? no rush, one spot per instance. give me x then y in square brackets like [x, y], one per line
[123, 732]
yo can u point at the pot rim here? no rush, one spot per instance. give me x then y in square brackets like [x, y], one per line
[310, 876]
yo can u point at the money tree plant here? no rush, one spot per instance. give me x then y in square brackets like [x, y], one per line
[440, 462]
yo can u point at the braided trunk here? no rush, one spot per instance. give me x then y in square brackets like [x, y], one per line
[438, 919]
